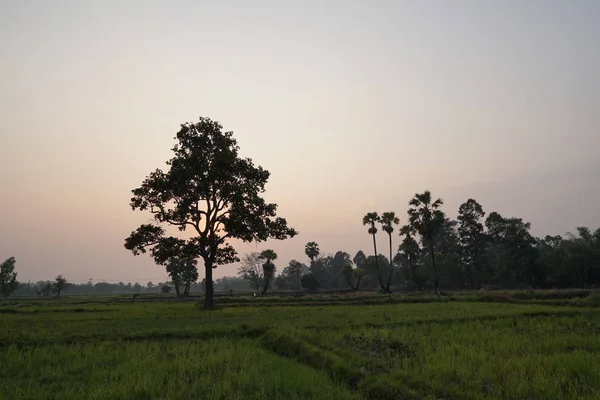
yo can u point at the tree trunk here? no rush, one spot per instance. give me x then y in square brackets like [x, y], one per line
[389, 281]
[266, 287]
[358, 283]
[208, 284]
[377, 264]
[436, 282]
[176, 283]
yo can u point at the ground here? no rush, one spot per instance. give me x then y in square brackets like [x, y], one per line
[503, 346]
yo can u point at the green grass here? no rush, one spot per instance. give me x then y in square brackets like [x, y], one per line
[451, 349]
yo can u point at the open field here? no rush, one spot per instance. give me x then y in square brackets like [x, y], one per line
[326, 347]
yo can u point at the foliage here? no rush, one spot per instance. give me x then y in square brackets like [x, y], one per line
[309, 282]
[8, 277]
[210, 189]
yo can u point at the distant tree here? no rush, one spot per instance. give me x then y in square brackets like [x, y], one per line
[471, 238]
[183, 272]
[410, 250]
[165, 288]
[312, 251]
[426, 218]
[352, 275]
[212, 190]
[268, 267]
[8, 277]
[512, 252]
[251, 269]
[388, 220]
[59, 285]
[296, 269]
[371, 219]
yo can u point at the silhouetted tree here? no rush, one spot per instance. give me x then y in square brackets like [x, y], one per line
[312, 251]
[212, 190]
[183, 271]
[471, 237]
[512, 252]
[426, 218]
[388, 220]
[410, 250]
[59, 285]
[296, 269]
[371, 219]
[8, 277]
[268, 267]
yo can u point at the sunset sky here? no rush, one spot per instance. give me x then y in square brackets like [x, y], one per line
[352, 105]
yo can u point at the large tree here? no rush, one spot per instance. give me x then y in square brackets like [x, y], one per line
[471, 238]
[211, 190]
[370, 219]
[426, 218]
[8, 277]
[388, 220]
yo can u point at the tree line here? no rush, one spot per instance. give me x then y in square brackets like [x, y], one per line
[434, 251]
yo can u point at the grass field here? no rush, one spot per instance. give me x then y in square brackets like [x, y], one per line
[332, 347]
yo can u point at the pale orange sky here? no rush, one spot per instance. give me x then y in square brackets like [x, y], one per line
[353, 107]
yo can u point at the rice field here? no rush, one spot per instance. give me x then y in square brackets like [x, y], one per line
[71, 349]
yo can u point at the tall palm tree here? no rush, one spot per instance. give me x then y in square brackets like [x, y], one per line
[268, 267]
[312, 251]
[426, 218]
[371, 219]
[388, 220]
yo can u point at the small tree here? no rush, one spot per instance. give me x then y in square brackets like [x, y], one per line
[211, 190]
[8, 277]
[268, 267]
[59, 284]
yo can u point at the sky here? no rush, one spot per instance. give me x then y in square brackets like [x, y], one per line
[353, 106]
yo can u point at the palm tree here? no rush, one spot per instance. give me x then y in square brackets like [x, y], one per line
[312, 251]
[426, 218]
[268, 267]
[388, 220]
[370, 219]
[409, 248]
